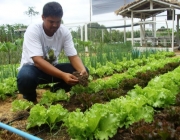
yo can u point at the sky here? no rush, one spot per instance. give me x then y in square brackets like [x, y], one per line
[76, 12]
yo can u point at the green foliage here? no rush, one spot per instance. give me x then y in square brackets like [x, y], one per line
[96, 122]
[7, 71]
[10, 32]
[131, 67]
[39, 115]
[20, 105]
[7, 87]
[102, 121]
[107, 127]
[55, 114]
[8, 47]
[10, 51]
[160, 91]
[76, 124]
[19, 42]
[49, 98]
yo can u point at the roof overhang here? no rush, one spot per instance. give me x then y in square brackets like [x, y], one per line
[144, 9]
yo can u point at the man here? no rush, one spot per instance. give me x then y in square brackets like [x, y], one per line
[41, 48]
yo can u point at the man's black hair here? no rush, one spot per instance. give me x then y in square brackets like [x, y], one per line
[52, 9]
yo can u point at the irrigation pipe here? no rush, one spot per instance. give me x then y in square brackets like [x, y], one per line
[15, 119]
[40, 131]
[19, 132]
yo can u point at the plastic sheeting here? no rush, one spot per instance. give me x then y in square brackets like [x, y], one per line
[107, 6]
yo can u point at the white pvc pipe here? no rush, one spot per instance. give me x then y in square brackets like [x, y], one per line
[19, 132]
[86, 33]
[81, 33]
[173, 30]
[132, 29]
[67, 24]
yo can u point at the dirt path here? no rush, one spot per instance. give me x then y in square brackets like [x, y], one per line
[5, 106]
[177, 52]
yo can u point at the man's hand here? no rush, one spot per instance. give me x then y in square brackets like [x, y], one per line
[77, 64]
[70, 79]
[83, 72]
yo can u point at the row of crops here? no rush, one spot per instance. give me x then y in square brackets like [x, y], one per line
[8, 73]
[118, 94]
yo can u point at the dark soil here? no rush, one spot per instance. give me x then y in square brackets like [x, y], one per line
[83, 79]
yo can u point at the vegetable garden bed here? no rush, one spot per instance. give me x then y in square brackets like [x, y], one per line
[125, 110]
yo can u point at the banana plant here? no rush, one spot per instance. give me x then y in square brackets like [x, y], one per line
[83, 44]
[8, 47]
[19, 42]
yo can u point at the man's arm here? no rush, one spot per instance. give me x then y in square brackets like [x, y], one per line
[46, 67]
[77, 64]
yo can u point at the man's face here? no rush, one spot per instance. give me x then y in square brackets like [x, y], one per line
[51, 24]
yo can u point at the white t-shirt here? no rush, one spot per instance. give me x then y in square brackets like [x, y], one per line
[37, 43]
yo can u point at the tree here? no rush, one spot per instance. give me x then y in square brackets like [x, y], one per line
[31, 12]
